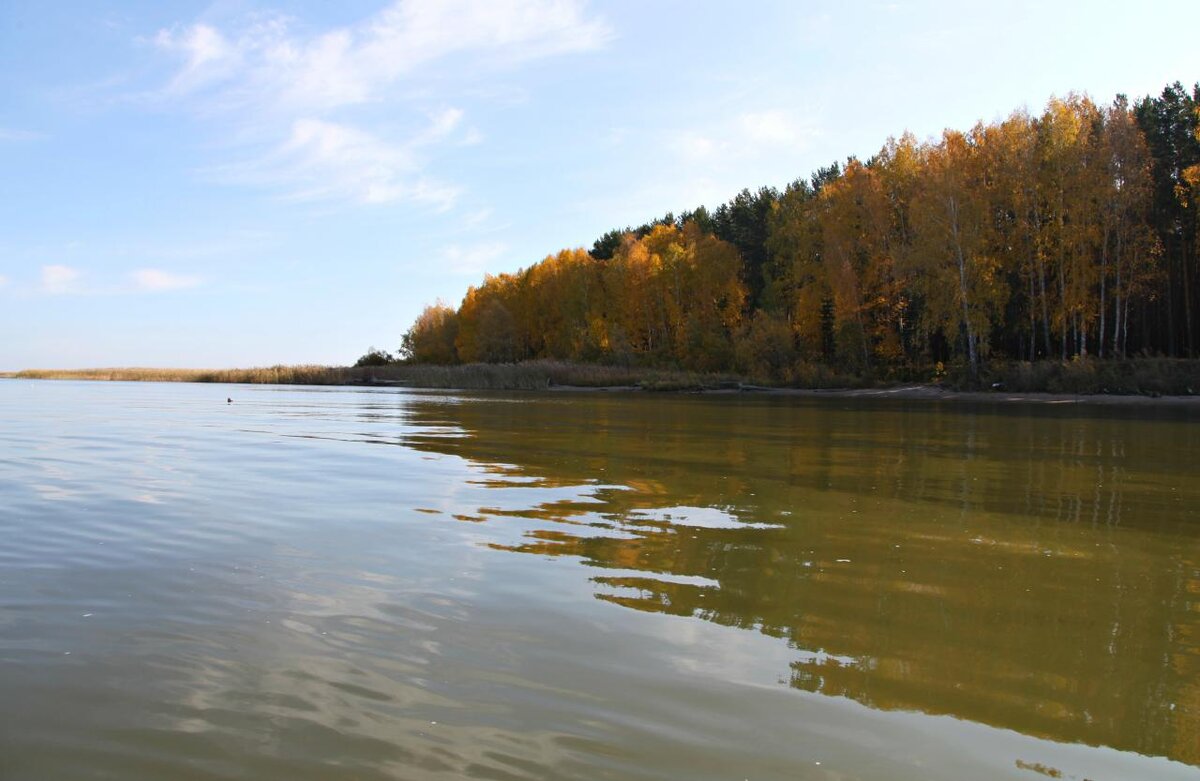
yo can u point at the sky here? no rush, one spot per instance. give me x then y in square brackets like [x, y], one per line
[241, 183]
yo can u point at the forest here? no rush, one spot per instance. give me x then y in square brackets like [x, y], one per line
[1066, 236]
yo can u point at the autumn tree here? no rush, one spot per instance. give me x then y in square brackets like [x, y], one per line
[798, 290]
[1129, 249]
[676, 296]
[487, 330]
[950, 263]
[1066, 233]
[432, 336]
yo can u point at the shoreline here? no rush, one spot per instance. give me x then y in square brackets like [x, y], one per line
[935, 393]
[908, 392]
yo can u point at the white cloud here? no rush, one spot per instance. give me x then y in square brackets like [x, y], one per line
[477, 217]
[707, 163]
[207, 56]
[349, 65]
[695, 146]
[770, 127]
[3, 280]
[58, 279]
[284, 93]
[322, 160]
[746, 136]
[152, 280]
[443, 124]
[475, 259]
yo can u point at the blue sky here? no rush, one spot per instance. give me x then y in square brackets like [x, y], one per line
[239, 183]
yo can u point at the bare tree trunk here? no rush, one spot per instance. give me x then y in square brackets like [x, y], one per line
[972, 354]
[1062, 271]
[1171, 350]
[1032, 319]
[1103, 280]
[1125, 329]
[1062, 304]
[1041, 264]
[1187, 300]
[1120, 253]
[1045, 305]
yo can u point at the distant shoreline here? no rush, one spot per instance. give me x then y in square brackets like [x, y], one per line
[555, 377]
[918, 392]
[931, 392]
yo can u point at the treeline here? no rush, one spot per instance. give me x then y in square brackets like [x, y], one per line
[1067, 234]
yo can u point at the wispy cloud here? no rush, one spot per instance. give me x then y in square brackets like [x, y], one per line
[208, 57]
[229, 244]
[708, 162]
[58, 280]
[772, 127]
[695, 146]
[747, 135]
[321, 160]
[350, 65]
[14, 134]
[152, 280]
[477, 217]
[475, 259]
[286, 92]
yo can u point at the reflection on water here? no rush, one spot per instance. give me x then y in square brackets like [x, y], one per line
[1013, 567]
[327, 583]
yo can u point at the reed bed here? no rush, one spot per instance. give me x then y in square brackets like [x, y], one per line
[534, 375]
[274, 375]
[1147, 376]
[1144, 376]
[528, 375]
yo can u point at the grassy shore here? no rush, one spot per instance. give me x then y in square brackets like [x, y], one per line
[274, 375]
[529, 375]
[1149, 377]
[1131, 377]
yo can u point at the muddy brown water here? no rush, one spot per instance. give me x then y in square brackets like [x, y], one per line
[386, 584]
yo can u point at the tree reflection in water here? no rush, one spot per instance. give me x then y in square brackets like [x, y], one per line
[1031, 569]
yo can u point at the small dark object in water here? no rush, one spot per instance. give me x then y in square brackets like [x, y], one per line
[228, 400]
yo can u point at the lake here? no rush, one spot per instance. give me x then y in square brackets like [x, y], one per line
[318, 583]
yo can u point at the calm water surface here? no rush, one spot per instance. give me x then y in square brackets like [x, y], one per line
[379, 584]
